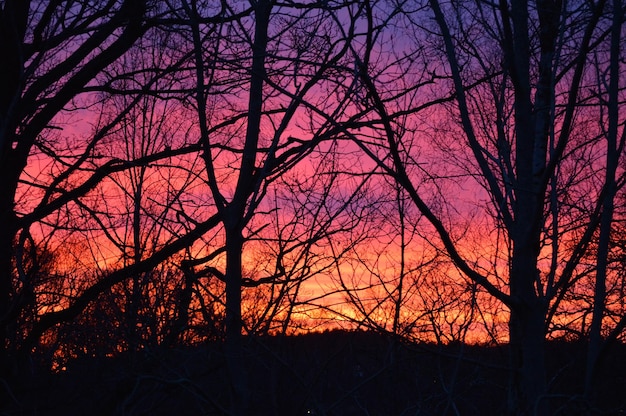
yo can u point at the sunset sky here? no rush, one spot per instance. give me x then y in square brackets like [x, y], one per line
[427, 169]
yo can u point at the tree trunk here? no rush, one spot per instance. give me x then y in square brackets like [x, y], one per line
[608, 204]
[233, 321]
[8, 309]
[13, 18]
[236, 212]
[527, 358]
[6, 248]
[528, 306]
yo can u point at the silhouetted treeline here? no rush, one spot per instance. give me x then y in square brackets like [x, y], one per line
[339, 373]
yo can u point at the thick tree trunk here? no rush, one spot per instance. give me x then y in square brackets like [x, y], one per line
[8, 309]
[528, 312]
[532, 129]
[13, 17]
[527, 320]
[527, 355]
[233, 321]
[5, 288]
[236, 212]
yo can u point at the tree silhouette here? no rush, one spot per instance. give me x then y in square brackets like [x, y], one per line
[211, 174]
[50, 63]
[518, 85]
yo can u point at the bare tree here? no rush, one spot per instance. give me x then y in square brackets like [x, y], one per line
[613, 179]
[53, 53]
[518, 134]
[73, 88]
[286, 60]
